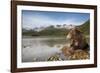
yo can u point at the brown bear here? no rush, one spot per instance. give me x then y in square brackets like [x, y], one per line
[77, 39]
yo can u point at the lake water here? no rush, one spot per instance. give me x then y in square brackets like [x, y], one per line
[41, 48]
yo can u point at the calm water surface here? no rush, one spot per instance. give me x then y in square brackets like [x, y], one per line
[41, 48]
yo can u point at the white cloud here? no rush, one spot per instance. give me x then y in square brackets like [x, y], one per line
[39, 20]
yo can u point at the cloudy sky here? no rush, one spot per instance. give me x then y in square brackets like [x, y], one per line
[32, 19]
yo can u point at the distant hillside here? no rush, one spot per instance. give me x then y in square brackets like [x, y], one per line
[52, 31]
[85, 28]
[48, 31]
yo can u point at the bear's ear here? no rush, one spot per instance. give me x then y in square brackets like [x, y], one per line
[67, 36]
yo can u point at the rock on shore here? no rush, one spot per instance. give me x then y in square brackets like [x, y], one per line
[75, 54]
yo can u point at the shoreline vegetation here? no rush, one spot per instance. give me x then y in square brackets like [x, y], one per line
[53, 32]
